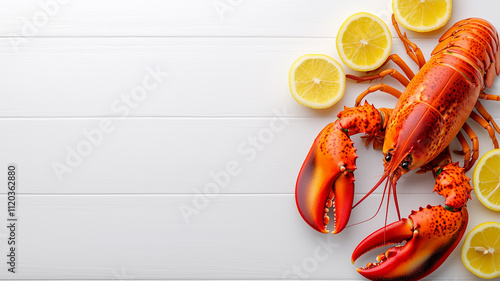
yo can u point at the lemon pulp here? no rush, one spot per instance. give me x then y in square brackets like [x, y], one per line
[316, 81]
[364, 42]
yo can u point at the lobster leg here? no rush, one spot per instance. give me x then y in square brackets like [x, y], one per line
[391, 72]
[326, 177]
[475, 146]
[486, 125]
[429, 234]
[380, 87]
[487, 122]
[466, 151]
[402, 64]
[480, 108]
[485, 96]
[415, 53]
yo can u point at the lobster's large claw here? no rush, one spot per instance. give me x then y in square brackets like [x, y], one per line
[430, 234]
[325, 175]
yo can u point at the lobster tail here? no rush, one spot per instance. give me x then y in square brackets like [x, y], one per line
[475, 42]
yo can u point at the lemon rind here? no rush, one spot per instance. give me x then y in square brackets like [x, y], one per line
[476, 180]
[401, 20]
[342, 54]
[291, 81]
[465, 248]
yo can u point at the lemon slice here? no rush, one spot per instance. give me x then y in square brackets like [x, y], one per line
[486, 179]
[316, 81]
[364, 42]
[422, 15]
[481, 250]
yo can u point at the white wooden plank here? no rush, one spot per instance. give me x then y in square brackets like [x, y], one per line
[161, 77]
[155, 155]
[319, 18]
[145, 237]
[166, 77]
[176, 155]
[122, 77]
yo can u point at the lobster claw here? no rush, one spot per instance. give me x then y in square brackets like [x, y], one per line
[429, 236]
[325, 175]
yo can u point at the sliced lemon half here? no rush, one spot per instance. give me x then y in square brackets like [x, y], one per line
[364, 42]
[481, 250]
[316, 81]
[486, 179]
[422, 15]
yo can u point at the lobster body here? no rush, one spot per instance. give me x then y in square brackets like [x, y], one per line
[429, 114]
[440, 98]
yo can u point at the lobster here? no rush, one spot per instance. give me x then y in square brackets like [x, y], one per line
[430, 113]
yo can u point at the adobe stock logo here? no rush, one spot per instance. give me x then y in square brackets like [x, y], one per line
[122, 105]
[31, 26]
[221, 179]
[222, 7]
[324, 249]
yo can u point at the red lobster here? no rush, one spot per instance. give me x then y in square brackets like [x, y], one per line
[429, 114]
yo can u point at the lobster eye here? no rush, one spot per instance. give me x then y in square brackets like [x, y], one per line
[388, 157]
[405, 165]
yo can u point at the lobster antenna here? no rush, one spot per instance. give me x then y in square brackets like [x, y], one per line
[387, 208]
[393, 185]
[378, 209]
[373, 189]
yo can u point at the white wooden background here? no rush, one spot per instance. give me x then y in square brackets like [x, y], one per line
[156, 97]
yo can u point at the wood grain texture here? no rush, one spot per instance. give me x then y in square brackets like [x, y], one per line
[199, 18]
[109, 237]
[176, 155]
[149, 77]
[158, 140]
[105, 76]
